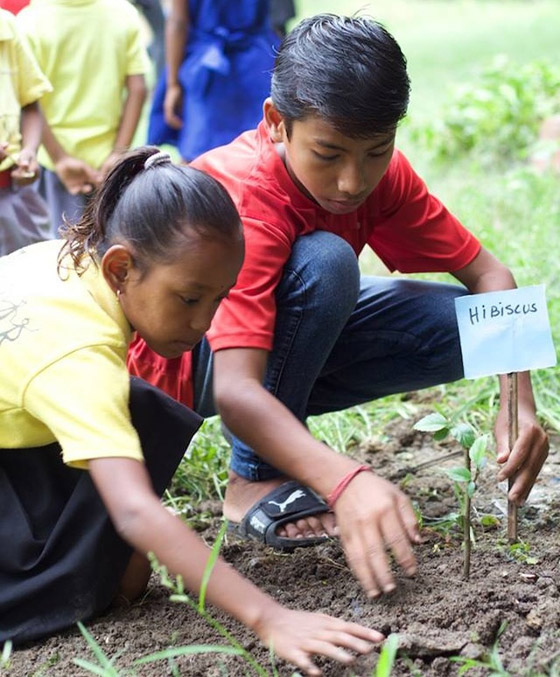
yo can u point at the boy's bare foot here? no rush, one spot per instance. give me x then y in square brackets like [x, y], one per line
[241, 495]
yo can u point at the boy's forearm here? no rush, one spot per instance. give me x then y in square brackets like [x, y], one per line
[31, 127]
[132, 109]
[526, 399]
[265, 424]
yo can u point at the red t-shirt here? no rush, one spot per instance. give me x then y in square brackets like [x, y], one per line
[13, 6]
[409, 229]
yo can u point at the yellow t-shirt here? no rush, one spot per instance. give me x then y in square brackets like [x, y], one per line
[86, 48]
[63, 346]
[21, 83]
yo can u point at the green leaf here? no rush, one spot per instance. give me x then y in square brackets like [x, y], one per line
[431, 423]
[489, 521]
[464, 434]
[471, 486]
[95, 669]
[441, 434]
[96, 649]
[459, 474]
[6, 653]
[189, 650]
[210, 566]
[477, 452]
[387, 656]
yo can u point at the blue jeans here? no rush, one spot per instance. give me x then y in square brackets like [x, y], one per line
[343, 339]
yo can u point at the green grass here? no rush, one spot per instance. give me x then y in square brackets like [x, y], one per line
[448, 41]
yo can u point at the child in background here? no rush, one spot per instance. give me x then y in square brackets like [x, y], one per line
[24, 217]
[303, 332]
[93, 54]
[153, 12]
[13, 6]
[157, 250]
[281, 11]
[219, 57]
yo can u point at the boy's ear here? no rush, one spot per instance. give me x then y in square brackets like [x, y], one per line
[274, 121]
[116, 265]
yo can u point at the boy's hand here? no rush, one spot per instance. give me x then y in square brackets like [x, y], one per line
[27, 168]
[171, 104]
[296, 636]
[527, 456]
[77, 176]
[374, 516]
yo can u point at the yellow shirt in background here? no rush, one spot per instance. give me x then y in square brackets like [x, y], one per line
[63, 346]
[86, 48]
[21, 83]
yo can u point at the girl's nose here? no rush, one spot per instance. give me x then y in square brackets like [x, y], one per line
[202, 319]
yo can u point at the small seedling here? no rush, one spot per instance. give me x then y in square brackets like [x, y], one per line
[491, 662]
[464, 477]
[5, 655]
[520, 552]
[387, 657]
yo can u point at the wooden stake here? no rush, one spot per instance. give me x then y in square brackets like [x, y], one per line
[513, 432]
[467, 525]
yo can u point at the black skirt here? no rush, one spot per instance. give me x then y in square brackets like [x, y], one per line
[61, 560]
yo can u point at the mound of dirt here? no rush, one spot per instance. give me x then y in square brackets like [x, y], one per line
[510, 605]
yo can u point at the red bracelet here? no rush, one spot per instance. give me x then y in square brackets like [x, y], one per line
[333, 497]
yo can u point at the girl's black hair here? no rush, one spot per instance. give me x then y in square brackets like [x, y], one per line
[150, 208]
[349, 71]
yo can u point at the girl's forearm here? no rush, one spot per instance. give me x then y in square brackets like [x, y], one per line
[138, 516]
[154, 529]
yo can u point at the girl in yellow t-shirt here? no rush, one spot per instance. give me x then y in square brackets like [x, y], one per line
[156, 251]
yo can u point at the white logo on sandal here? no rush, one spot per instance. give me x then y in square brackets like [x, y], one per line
[298, 493]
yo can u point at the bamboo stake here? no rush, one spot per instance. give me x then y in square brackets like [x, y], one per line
[467, 525]
[513, 432]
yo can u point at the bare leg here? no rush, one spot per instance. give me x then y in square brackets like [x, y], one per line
[135, 579]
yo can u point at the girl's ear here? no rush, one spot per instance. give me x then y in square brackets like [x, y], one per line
[274, 121]
[116, 264]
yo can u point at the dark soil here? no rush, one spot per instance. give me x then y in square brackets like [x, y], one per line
[437, 614]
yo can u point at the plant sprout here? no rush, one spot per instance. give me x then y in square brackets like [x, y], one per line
[464, 477]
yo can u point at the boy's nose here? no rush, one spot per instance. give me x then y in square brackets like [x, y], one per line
[352, 181]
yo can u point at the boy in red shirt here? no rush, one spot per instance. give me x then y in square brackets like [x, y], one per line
[303, 333]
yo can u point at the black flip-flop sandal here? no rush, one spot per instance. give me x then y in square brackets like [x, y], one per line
[288, 502]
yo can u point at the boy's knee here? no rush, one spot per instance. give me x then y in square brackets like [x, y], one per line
[329, 263]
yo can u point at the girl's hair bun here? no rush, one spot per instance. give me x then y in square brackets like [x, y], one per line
[159, 158]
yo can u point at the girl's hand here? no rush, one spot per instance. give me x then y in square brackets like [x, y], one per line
[172, 104]
[296, 636]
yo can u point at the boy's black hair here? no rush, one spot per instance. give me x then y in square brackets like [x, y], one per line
[152, 209]
[349, 71]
